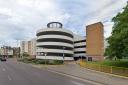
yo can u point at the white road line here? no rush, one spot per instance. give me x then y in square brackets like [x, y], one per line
[3, 69]
[9, 78]
[89, 81]
[77, 83]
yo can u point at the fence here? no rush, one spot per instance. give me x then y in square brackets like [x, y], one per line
[107, 69]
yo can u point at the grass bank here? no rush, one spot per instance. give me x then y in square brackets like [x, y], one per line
[113, 63]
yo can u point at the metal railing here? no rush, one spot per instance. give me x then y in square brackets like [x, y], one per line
[107, 69]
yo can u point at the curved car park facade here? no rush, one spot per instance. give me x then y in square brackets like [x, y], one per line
[54, 42]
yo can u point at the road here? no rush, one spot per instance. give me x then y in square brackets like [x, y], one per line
[16, 73]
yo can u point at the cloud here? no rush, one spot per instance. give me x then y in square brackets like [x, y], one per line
[20, 19]
[85, 12]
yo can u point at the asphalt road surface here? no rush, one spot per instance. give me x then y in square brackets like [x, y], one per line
[15, 73]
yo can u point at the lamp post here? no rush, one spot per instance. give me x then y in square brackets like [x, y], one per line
[81, 58]
[86, 58]
[63, 54]
[17, 49]
[45, 57]
[45, 54]
[81, 55]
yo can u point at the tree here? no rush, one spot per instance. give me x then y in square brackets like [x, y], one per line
[25, 54]
[118, 41]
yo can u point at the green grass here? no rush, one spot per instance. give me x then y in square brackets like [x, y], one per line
[113, 63]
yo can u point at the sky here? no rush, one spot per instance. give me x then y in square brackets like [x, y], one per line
[20, 19]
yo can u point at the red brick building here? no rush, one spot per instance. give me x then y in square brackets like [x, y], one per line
[95, 41]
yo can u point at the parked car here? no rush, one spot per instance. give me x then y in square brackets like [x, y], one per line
[3, 59]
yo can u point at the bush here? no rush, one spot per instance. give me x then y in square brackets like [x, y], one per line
[41, 61]
[58, 62]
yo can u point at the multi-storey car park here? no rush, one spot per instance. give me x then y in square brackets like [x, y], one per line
[54, 42]
[79, 47]
[57, 43]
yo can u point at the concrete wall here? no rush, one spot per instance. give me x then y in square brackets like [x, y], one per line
[79, 46]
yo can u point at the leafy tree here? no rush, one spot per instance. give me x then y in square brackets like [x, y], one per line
[118, 41]
[25, 54]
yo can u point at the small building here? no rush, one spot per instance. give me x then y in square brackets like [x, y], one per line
[6, 51]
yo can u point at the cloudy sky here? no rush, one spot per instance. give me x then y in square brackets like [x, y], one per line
[19, 19]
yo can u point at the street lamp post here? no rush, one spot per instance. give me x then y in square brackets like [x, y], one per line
[63, 54]
[45, 57]
[81, 58]
[17, 55]
[45, 54]
[81, 55]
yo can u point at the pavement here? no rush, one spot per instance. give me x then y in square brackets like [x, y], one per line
[17, 73]
[83, 73]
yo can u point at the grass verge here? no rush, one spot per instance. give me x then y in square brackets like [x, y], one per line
[113, 63]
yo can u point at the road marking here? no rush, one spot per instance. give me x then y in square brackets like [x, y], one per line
[74, 77]
[3, 69]
[77, 83]
[9, 78]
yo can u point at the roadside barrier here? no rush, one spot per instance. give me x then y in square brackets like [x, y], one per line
[121, 71]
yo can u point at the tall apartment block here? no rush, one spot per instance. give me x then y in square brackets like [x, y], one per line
[95, 41]
[29, 47]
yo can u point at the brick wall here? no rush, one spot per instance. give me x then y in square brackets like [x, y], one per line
[95, 41]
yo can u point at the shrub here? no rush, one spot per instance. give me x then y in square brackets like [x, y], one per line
[58, 62]
[41, 61]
